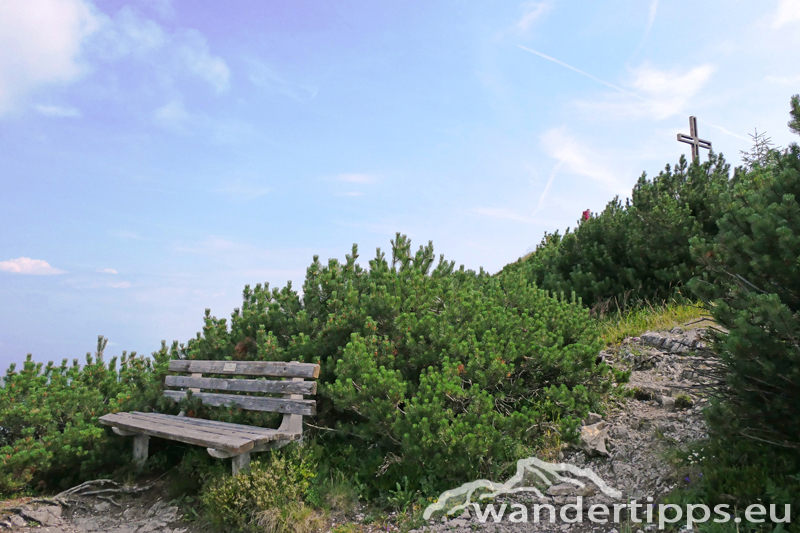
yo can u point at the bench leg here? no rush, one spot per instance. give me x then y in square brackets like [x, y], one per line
[140, 445]
[241, 462]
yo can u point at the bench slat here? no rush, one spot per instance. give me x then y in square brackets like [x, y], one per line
[157, 428]
[253, 403]
[244, 385]
[247, 368]
[256, 434]
[256, 431]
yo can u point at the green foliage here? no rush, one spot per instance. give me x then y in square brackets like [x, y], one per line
[794, 113]
[737, 472]
[50, 436]
[272, 491]
[752, 288]
[433, 373]
[639, 251]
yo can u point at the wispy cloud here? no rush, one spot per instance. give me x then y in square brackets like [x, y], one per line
[350, 193]
[581, 159]
[651, 19]
[788, 11]
[106, 271]
[547, 186]
[194, 51]
[26, 265]
[263, 76]
[579, 71]
[533, 12]
[120, 285]
[57, 111]
[657, 93]
[666, 92]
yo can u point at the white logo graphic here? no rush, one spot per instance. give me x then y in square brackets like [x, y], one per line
[535, 466]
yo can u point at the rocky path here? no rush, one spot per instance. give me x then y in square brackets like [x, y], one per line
[627, 447]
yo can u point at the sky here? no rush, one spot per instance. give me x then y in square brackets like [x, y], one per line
[158, 155]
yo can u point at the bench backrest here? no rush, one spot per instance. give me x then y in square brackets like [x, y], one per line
[292, 388]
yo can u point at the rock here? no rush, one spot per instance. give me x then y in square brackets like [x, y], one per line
[561, 489]
[593, 418]
[593, 439]
[458, 522]
[102, 507]
[668, 403]
[46, 516]
[17, 520]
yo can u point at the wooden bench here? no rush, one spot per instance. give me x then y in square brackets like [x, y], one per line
[222, 439]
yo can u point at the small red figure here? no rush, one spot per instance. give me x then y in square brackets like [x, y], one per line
[587, 214]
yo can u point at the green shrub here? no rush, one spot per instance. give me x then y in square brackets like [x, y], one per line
[639, 251]
[50, 436]
[433, 373]
[752, 288]
[270, 496]
[683, 401]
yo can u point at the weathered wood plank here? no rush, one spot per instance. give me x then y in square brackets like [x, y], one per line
[252, 403]
[202, 422]
[244, 385]
[158, 429]
[197, 424]
[246, 368]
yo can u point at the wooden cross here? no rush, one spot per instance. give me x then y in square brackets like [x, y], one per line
[693, 139]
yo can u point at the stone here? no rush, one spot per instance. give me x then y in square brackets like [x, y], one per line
[102, 507]
[457, 522]
[593, 418]
[43, 515]
[668, 403]
[561, 489]
[593, 439]
[17, 520]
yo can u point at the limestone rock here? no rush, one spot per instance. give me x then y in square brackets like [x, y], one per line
[593, 439]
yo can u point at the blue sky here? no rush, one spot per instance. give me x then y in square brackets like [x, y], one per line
[158, 155]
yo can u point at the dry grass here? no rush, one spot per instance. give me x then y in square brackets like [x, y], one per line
[617, 326]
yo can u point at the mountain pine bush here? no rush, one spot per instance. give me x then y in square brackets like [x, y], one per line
[639, 251]
[428, 372]
[49, 435]
[752, 288]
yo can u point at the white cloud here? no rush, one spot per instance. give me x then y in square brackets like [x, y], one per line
[173, 116]
[265, 77]
[533, 11]
[41, 43]
[193, 50]
[107, 271]
[26, 265]
[581, 160]
[356, 178]
[660, 94]
[58, 111]
[128, 33]
[788, 12]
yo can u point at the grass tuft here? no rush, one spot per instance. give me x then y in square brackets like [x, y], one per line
[616, 326]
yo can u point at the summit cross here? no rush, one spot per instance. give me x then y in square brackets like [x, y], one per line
[693, 139]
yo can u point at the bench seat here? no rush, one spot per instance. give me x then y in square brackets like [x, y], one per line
[234, 438]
